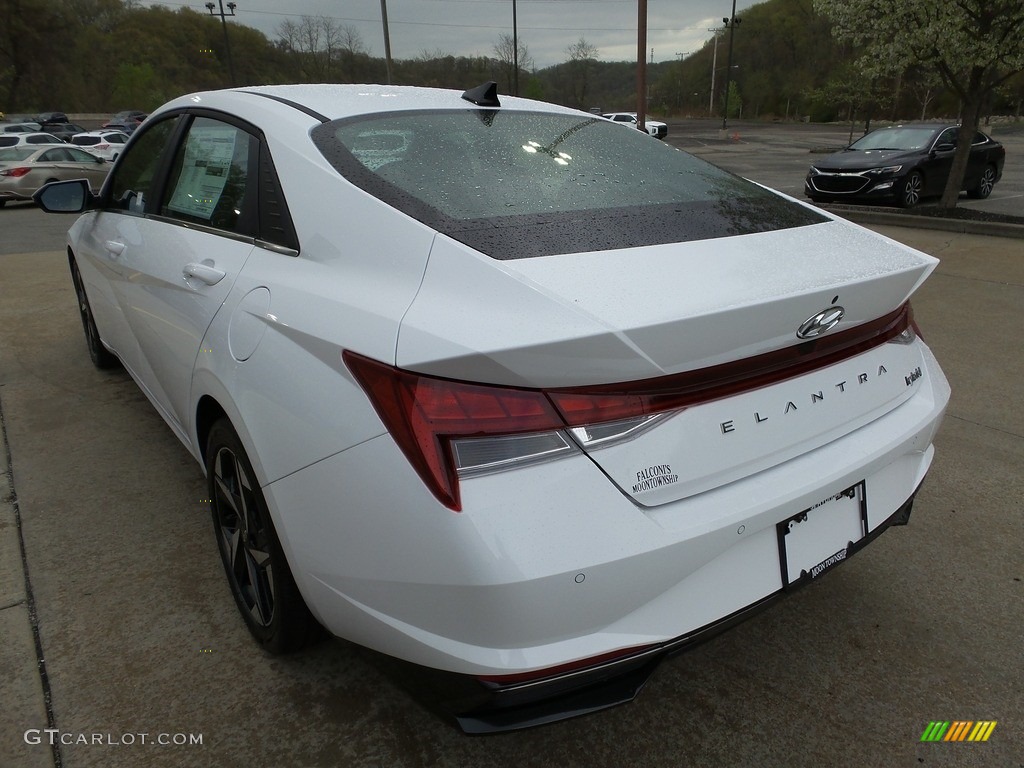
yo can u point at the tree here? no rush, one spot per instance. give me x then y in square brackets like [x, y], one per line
[974, 45]
[505, 51]
[320, 42]
[582, 57]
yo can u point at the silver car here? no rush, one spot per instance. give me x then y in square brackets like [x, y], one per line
[25, 169]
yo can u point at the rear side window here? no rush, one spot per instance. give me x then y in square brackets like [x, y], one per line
[8, 141]
[80, 155]
[85, 141]
[58, 155]
[520, 184]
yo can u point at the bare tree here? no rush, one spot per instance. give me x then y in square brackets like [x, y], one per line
[320, 42]
[504, 51]
[582, 57]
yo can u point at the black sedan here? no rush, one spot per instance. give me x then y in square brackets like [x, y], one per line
[904, 164]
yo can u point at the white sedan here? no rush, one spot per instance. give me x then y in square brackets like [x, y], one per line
[469, 396]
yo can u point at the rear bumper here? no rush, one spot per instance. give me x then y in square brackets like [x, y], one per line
[481, 706]
[11, 194]
[553, 594]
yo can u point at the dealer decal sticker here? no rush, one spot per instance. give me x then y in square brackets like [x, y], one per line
[654, 477]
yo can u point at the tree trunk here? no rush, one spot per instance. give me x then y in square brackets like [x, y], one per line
[970, 116]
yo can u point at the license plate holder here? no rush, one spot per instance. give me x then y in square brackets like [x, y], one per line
[819, 538]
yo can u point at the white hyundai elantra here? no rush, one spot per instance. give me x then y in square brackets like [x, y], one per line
[496, 388]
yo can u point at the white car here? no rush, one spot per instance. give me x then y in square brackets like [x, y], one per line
[655, 128]
[22, 127]
[36, 139]
[105, 144]
[467, 395]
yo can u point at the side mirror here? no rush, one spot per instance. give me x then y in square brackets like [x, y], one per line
[944, 147]
[64, 196]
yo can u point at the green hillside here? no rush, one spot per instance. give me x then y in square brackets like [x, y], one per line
[105, 55]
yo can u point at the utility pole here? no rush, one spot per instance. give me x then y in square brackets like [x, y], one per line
[641, 65]
[227, 43]
[731, 22]
[714, 66]
[387, 37]
[515, 51]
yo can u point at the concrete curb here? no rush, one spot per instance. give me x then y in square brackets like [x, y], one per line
[962, 226]
[24, 695]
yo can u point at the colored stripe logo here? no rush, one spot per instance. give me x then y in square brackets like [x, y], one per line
[958, 730]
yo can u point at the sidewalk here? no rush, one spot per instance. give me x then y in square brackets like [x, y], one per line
[23, 671]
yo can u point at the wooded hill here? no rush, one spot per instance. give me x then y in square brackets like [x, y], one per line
[105, 55]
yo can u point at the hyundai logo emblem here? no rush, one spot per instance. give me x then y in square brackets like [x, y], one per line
[820, 323]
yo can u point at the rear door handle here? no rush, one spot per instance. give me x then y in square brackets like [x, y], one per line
[204, 272]
[114, 248]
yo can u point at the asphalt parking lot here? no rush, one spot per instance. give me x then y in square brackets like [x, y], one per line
[138, 641]
[779, 154]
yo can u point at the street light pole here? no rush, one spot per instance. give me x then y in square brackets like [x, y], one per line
[227, 43]
[731, 22]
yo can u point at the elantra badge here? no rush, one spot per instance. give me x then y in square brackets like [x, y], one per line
[820, 323]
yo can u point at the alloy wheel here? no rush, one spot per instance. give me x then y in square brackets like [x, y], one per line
[912, 189]
[243, 537]
[987, 182]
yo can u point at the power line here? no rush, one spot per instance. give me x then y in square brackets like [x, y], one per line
[242, 14]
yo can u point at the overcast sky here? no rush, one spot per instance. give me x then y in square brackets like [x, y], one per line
[472, 27]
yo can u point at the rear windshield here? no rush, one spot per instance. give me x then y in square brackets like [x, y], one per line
[522, 184]
[85, 141]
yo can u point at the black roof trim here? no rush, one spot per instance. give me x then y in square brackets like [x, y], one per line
[294, 105]
[485, 95]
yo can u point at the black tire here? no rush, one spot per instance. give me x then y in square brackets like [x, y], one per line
[985, 184]
[101, 357]
[910, 190]
[258, 574]
[3, 203]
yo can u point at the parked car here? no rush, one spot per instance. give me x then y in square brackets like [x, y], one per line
[20, 127]
[126, 121]
[63, 130]
[656, 129]
[904, 164]
[133, 115]
[27, 139]
[105, 144]
[468, 395]
[25, 169]
[51, 117]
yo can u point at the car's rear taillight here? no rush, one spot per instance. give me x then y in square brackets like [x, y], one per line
[16, 173]
[425, 415]
[448, 428]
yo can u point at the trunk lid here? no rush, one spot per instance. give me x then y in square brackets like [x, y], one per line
[610, 316]
[617, 316]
